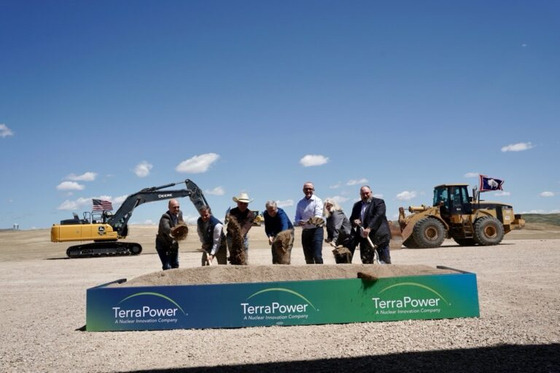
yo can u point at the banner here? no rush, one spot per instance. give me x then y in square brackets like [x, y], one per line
[490, 183]
[281, 303]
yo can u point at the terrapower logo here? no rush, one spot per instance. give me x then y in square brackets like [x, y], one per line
[408, 298]
[270, 308]
[147, 308]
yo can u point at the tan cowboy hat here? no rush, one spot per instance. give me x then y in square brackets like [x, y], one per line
[242, 197]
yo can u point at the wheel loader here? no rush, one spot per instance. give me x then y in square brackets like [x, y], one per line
[454, 214]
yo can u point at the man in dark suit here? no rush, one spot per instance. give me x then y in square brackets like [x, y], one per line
[166, 245]
[369, 220]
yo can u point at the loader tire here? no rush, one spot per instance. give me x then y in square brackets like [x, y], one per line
[488, 231]
[428, 233]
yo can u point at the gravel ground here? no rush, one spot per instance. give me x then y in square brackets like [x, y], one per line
[43, 309]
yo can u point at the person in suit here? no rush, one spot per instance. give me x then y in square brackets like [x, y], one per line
[166, 245]
[369, 220]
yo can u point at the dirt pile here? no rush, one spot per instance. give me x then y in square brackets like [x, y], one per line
[268, 273]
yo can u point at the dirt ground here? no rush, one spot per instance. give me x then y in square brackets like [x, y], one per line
[43, 293]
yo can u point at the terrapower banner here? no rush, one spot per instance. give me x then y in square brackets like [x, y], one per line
[281, 303]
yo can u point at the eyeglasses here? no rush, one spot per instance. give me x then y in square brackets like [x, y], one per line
[308, 189]
[176, 207]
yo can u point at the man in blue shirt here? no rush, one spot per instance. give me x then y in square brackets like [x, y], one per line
[280, 232]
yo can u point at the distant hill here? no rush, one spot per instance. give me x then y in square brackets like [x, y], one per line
[549, 219]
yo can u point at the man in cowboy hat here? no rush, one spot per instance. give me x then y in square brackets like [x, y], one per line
[244, 217]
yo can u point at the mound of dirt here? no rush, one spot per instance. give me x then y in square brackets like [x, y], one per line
[272, 273]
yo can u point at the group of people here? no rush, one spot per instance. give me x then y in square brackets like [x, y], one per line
[366, 228]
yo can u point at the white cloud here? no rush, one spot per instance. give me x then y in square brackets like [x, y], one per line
[68, 205]
[69, 185]
[519, 147]
[85, 204]
[104, 198]
[74, 205]
[471, 174]
[339, 199]
[5, 131]
[198, 163]
[310, 160]
[217, 191]
[86, 176]
[335, 186]
[547, 194]
[356, 182]
[502, 194]
[117, 200]
[533, 212]
[406, 195]
[143, 169]
[285, 203]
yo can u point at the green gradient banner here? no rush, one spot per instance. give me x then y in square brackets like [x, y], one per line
[281, 303]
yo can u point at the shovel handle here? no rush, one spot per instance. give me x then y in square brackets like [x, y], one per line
[373, 246]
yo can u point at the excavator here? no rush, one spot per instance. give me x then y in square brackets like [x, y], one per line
[106, 229]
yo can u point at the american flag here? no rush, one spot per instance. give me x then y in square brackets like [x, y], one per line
[102, 205]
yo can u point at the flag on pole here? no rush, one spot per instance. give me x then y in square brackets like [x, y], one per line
[490, 183]
[102, 205]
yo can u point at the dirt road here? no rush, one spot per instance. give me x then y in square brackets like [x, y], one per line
[42, 297]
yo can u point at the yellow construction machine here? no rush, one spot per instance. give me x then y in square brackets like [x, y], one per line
[259, 218]
[454, 214]
[105, 229]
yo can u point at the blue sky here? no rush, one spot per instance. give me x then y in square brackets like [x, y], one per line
[99, 99]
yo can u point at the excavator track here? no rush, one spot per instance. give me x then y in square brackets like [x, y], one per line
[96, 249]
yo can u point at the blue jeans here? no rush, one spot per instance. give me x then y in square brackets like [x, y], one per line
[312, 242]
[168, 256]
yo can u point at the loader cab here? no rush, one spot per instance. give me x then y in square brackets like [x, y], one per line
[453, 199]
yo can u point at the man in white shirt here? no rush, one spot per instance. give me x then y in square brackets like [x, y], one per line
[312, 235]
